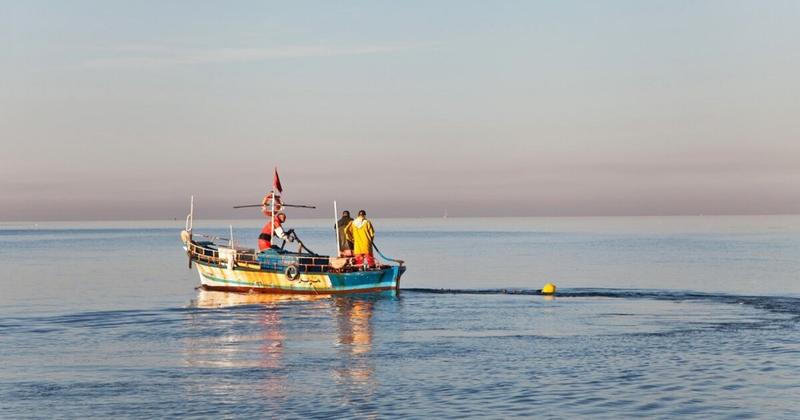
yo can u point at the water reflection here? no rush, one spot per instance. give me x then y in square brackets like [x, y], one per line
[250, 338]
[353, 323]
[236, 339]
[354, 326]
[254, 330]
[354, 374]
[210, 300]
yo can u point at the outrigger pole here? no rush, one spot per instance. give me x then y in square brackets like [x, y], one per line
[282, 205]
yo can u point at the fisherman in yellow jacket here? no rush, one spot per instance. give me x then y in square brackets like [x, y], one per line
[361, 232]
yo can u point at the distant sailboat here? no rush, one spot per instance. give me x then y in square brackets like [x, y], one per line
[445, 214]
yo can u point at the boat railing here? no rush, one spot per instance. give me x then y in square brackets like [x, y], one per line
[209, 252]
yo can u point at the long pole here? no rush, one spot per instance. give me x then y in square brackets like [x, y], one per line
[299, 206]
[272, 216]
[336, 228]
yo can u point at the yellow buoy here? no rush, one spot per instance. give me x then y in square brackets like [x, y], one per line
[549, 289]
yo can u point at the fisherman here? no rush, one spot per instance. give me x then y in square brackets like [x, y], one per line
[273, 226]
[345, 244]
[361, 232]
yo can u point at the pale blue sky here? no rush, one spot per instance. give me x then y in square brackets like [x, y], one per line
[123, 109]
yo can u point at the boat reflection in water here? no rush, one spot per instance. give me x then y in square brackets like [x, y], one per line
[207, 299]
[354, 327]
[263, 332]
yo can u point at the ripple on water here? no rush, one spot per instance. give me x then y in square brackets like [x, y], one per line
[597, 354]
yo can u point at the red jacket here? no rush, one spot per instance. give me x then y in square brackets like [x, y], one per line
[268, 226]
[267, 232]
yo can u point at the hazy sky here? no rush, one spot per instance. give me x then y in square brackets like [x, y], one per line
[120, 110]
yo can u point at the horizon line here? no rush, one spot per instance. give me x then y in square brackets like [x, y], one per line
[410, 217]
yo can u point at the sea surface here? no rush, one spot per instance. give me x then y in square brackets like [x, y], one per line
[664, 317]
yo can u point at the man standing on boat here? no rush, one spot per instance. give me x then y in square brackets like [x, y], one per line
[361, 232]
[345, 244]
[270, 205]
[272, 227]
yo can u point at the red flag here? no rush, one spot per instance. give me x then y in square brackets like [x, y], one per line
[276, 181]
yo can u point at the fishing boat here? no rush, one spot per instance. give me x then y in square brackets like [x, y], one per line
[223, 266]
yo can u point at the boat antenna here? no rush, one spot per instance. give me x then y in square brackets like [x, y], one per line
[336, 228]
[230, 241]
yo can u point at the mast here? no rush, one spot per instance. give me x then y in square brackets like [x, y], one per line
[276, 185]
[272, 216]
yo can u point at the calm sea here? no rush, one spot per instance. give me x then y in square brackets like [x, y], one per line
[655, 317]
